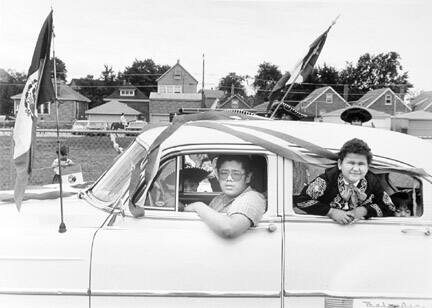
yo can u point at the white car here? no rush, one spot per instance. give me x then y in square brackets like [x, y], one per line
[135, 127]
[91, 128]
[128, 244]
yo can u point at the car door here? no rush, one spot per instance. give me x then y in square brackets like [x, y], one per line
[172, 259]
[380, 261]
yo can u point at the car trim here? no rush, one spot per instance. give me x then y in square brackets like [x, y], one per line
[44, 292]
[180, 293]
[350, 295]
[398, 221]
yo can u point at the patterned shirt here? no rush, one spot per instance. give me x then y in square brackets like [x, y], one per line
[249, 203]
[329, 190]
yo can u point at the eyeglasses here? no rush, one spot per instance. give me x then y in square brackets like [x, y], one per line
[235, 175]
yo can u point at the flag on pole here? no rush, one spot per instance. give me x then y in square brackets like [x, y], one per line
[302, 69]
[37, 90]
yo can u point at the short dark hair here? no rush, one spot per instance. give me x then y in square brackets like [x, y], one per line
[244, 160]
[355, 146]
[63, 150]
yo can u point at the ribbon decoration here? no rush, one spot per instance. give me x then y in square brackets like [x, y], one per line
[295, 149]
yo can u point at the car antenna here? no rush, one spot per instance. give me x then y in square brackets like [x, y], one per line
[62, 226]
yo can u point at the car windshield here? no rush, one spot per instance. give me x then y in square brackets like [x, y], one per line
[114, 183]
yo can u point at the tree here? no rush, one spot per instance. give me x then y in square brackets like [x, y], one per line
[61, 71]
[108, 74]
[13, 85]
[373, 72]
[97, 89]
[265, 79]
[143, 74]
[226, 83]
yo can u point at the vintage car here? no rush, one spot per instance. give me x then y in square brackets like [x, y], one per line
[129, 244]
[90, 128]
[135, 127]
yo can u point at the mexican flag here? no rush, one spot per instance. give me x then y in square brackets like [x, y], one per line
[37, 90]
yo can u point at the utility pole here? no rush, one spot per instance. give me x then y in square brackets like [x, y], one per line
[202, 84]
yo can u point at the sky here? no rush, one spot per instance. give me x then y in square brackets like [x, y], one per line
[235, 35]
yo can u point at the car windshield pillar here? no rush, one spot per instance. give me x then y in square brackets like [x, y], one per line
[115, 182]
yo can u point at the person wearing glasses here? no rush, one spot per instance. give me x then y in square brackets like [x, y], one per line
[238, 207]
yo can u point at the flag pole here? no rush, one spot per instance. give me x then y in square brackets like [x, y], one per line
[299, 72]
[62, 226]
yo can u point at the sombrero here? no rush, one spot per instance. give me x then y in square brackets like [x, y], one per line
[356, 113]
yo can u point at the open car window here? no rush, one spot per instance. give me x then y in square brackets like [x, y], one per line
[404, 190]
[191, 177]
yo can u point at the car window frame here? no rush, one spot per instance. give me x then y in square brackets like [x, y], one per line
[290, 214]
[183, 150]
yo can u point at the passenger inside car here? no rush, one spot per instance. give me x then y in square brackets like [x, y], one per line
[239, 206]
[349, 191]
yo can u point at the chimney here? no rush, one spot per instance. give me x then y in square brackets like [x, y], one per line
[232, 89]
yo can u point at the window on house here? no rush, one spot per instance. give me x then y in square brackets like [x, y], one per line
[124, 92]
[388, 99]
[329, 98]
[161, 89]
[44, 108]
[234, 104]
[177, 73]
[178, 89]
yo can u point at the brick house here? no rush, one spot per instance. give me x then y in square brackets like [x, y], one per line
[423, 101]
[163, 104]
[384, 100]
[177, 88]
[177, 80]
[235, 101]
[321, 101]
[73, 106]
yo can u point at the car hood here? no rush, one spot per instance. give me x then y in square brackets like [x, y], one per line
[41, 206]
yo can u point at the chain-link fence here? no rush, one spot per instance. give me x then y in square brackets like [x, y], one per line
[94, 153]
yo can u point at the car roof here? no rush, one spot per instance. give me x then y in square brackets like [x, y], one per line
[388, 144]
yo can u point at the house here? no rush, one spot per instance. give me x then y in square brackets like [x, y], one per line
[132, 97]
[384, 100]
[423, 101]
[210, 96]
[379, 119]
[285, 111]
[164, 104]
[177, 80]
[321, 101]
[73, 106]
[235, 101]
[4, 76]
[177, 88]
[416, 123]
[111, 111]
